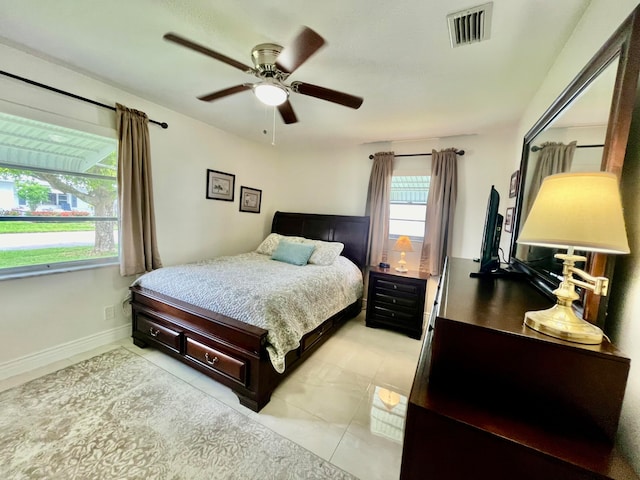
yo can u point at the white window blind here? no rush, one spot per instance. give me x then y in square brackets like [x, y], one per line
[408, 205]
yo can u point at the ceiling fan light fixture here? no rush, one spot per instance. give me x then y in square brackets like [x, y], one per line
[270, 94]
[272, 66]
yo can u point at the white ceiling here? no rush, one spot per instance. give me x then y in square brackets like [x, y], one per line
[394, 54]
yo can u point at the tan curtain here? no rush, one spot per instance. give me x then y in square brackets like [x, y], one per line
[138, 246]
[378, 198]
[554, 158]
[441, 206]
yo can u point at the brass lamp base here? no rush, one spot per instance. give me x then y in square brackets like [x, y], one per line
[560, 321]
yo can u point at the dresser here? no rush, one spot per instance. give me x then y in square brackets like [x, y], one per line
[396, 300]
[492, 398]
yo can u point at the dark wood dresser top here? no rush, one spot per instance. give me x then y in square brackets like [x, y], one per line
[486, 379]
[499, 304]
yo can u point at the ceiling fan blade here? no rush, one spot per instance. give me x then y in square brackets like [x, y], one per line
[223, 93]
[327, 94]
[295, 54]
[287, 113]
[172, 37]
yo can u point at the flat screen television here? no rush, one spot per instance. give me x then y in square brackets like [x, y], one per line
[489, 252]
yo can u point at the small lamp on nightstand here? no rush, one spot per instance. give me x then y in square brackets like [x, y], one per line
[403, 244]
[581, 211]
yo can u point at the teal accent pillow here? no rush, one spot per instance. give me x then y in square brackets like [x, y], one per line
[293, 253]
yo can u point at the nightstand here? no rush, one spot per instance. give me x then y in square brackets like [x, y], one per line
[396, 300]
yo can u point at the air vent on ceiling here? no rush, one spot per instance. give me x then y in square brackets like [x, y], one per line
[471, 25]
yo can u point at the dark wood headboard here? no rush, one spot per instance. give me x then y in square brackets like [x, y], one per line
[353, 231]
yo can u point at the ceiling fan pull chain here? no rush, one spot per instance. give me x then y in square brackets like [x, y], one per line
[273, 129]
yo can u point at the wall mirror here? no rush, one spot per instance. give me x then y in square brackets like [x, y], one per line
[594, 113]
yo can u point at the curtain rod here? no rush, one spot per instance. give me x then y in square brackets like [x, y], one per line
[535, 148]
[68, 94]
[458, 152]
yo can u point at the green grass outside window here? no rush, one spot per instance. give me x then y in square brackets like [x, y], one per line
[40, 227]
[42, 256]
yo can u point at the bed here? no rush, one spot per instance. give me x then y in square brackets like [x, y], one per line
[240, 355]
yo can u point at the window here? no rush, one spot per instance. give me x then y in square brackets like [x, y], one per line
[58, 193]
[408, 205]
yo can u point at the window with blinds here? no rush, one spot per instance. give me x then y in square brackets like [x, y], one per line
[58, 193]
[408, 205]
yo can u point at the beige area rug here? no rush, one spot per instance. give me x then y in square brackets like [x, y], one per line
[118, 416]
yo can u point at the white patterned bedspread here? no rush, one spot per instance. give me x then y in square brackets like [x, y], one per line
[287, 300]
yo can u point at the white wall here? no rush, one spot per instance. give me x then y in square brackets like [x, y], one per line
[336, 181]
[599, 22]
[324, 180]
[40, 313]
[7, 197]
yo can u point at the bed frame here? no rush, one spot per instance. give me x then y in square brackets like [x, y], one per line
[233, 352]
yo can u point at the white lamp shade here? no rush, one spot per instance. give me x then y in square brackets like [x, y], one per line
[579, 210]
[270, 94]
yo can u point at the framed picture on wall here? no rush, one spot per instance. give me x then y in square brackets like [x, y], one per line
[513, 185]
[220, 185]
[508, 220]
[250, 199]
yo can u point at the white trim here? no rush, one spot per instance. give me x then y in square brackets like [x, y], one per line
[63, 351]
[412, 166]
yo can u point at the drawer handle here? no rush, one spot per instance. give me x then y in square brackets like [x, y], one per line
[395, 287]
[210, 361]
[154, 333]
[394, 300]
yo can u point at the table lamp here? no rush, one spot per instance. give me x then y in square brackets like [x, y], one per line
[581, 211]
[403, 244]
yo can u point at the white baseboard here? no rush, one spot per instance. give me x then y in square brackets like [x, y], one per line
[60, 352]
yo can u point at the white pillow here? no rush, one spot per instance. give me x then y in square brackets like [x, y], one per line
[325, 252]
[269, 244]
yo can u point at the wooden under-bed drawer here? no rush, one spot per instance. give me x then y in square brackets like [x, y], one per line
[157, 332]
[312, 337]
[217, 360]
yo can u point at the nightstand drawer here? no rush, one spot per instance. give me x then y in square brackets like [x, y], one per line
[217, 360]
[394, 286]
[409, 302]
[395, 316]
[157, 332]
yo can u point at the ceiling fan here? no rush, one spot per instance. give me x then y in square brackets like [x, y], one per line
[272, 66]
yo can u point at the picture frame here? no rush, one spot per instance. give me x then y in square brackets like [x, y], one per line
[220, 185]
[250, 199]
[508, 220]
[513, 184]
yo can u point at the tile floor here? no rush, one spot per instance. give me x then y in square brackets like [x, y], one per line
[346, 403]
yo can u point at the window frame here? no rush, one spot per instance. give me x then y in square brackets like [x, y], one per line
[64, 266]
[401, 173]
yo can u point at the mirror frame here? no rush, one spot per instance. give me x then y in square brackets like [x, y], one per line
[623, 45]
